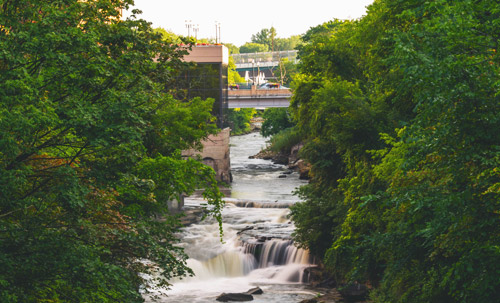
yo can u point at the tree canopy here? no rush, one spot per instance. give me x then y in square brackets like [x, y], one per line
[399, 111]
[251, 47]
[267, 39]
[89, 152]
[275, 121]
[265, 36]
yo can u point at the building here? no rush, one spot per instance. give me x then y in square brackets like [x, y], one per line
[208, 79]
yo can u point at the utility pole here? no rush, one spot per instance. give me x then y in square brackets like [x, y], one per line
[253, 72]
[189, 25]
[217, 32]
[195, 30]
[258, 72]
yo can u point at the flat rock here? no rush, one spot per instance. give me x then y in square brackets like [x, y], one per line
[255, 291]
[239, 297]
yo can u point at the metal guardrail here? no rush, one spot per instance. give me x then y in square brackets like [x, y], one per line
[266, 57]
[241, 85]
[256, 98]
[259, 93]
[249, 85]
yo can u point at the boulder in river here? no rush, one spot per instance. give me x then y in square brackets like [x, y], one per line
[239, 297]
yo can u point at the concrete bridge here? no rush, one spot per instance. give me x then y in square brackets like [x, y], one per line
[259, 98]
[249, 61]
[255, 65]
[216, 150]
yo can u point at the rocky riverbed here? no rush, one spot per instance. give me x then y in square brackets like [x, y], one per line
[292, 160]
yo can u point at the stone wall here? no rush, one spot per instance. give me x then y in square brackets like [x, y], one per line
[215, 153]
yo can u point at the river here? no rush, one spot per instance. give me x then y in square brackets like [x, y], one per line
[257, 248]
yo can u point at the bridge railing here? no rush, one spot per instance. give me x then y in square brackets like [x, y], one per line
[240, 85]
[249, 58]
[249, 85]
[255, 93]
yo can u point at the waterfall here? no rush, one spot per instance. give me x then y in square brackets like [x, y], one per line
[228, 264]
[251, 256]
[259, 204]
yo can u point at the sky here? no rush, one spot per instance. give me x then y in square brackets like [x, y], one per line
[239, 20]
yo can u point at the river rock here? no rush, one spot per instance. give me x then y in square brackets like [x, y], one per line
[263, 154]
[245, 229]
[255, 291]
[309, 301]
[331, 296]
[304, 169]
[280, 158]
[282, 176]
[239, 297]
[294, 153]
[192, 215]
[317, 276]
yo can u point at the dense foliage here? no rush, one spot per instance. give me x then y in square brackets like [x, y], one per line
[266, 40]
[285, 72]
[232, 75]
[251, 47]
[275, 120]
[400, 114]
[89, 141]
[238, 119]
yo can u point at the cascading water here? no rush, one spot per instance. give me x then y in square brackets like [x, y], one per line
[257, 249]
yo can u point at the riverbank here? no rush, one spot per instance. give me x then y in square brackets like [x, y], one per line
[257, 236]
[292, 160]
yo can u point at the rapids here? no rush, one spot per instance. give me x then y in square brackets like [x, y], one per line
[257, 249]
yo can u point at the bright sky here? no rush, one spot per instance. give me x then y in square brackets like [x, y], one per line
[239, 20]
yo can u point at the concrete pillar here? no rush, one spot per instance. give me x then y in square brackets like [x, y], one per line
[215, 153]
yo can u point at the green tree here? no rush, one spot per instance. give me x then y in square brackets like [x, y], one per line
[290, 43]
[168, 36]
[233, 76]
[269, 38]
[445, 196]
[396, 110]
[233, 49]
[275, 120]
[264, 36]
[238, 119]
[286, 71]
[87, 161]
[251, 47]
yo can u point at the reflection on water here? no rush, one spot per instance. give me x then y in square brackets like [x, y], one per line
[256, 250]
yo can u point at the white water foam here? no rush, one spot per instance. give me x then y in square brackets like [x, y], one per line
[262, 255]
